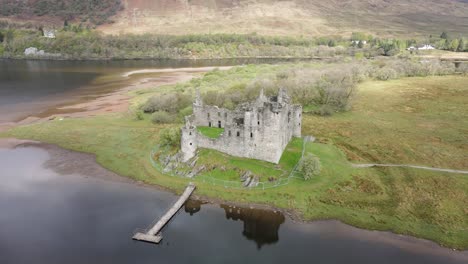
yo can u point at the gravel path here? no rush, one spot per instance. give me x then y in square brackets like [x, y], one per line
[408, 166]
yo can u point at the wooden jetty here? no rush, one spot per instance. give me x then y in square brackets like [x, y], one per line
[153, 235]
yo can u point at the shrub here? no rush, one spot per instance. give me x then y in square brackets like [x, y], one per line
[138, 115]
[310, 166]
[325, 110]
[385, 74]
[171, 103]
[170, 137]
[185, 112]
[162, 117]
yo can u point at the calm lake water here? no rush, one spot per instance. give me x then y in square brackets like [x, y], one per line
[30, 86]
[52, 216]
[50, 213]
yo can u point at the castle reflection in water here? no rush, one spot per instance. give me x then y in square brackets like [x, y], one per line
[260, 226]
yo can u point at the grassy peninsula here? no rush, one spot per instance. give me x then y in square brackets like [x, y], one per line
[417, 120]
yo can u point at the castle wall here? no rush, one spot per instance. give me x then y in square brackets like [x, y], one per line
[243, 146]
[206, 115]
[260, 130]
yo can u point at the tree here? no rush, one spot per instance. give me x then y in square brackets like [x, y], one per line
[360, 44]
[461, 45]
[310, 166]
[444, 35]
[454, 44]
[169, 137]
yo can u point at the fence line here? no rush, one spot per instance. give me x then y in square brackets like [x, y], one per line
[236, 184]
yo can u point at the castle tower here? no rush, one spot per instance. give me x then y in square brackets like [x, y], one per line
[198, 100]
[283, 97]
[261, 99]
[188, 140]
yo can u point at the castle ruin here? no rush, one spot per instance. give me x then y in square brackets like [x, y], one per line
[260, 129]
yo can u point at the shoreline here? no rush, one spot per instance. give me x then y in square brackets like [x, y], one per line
[291, 213]
[167, 59]
[117, 101]
[68, 162]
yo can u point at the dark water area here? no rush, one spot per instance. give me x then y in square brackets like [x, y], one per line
[30, 86]
[51, 215]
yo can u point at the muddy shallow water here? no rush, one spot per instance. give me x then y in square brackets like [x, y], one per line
[55, 210]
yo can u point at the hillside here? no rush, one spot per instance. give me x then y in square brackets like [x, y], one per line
[267, 17]
[293, 17]
[56, 11]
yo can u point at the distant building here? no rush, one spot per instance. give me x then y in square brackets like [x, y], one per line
[32, 51]
[49, 33]
[258, 130]
[422, 47]
[356, 42]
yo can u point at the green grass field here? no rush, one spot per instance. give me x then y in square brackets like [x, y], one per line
[211, 132]
[229, 168]
[413, 120]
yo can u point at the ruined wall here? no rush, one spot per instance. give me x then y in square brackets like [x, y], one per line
[258, 130]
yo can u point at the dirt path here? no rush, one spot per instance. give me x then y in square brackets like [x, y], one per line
[408, 166]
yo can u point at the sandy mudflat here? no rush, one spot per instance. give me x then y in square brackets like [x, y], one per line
[115, 101]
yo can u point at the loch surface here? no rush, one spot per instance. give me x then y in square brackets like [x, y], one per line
[56, 209]
[29, 87]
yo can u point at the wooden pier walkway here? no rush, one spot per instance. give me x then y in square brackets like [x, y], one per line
[153, 235]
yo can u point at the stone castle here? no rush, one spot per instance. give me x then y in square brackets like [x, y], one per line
[260, 129]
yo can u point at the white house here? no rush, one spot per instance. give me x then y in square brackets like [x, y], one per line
[423, 47]
[426, 47]
[356, 42]
[49, 33]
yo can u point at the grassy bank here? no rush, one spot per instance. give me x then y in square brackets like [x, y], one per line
[412, 120]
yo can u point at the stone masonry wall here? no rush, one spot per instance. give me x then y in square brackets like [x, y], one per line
[259, 130]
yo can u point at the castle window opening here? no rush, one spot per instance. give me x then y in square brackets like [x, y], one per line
[258, 122]
[208, 115]
[219, 124]
[190, 143]
[239, 121]
[209, 124]
[229, 132]
[219, 114]
[190, 133]
[238, 133]
[289, 117]
[251, 134]
[225, 115]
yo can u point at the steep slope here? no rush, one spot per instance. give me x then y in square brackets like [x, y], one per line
[293, 17]
[56, 11]
[270, 17]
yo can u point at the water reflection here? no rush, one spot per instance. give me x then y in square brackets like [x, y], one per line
[260, 226]
[193, 206]
[70, 216]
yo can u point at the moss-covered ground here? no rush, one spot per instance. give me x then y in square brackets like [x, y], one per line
[414, 120]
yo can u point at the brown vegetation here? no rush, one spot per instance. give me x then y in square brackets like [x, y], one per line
[93, 12]
[294, 17]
